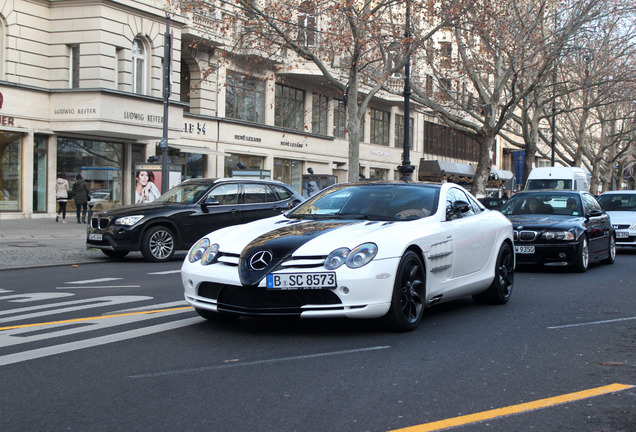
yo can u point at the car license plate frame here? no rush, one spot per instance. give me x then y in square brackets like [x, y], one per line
[524, 250]
[301, 281]
[95, 236]
[622, 234]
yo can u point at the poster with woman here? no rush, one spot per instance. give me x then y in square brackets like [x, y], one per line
[146, 189]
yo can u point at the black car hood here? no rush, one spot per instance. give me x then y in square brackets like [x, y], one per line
[139, 209]
[544, 221]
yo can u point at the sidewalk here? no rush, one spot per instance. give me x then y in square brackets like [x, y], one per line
[40, 242]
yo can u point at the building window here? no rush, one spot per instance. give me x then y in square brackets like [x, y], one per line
[139, 66]
[10, 171]
[185, 85]
[445, 54]
[289, 107]
[380, 121]
[245, 98]
[319, 109]
[74, 66]
[443, 141]
[307, 24]
[339, 118]
[289, 172]
[399, 131]
[235, 163]
[378, 174]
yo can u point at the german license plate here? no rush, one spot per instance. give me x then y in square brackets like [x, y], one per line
[301, 281]
[524, 249]
[622, 234]
[97, 237]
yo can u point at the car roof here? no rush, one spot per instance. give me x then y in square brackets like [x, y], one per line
[210, 181]
[543, 191]
[619, 192]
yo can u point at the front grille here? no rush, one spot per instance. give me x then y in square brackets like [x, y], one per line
[259, 301]
[621, 226]
[524, 235]
[100, 222]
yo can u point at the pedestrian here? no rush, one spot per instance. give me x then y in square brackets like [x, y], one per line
[61, 195]
[82, 196]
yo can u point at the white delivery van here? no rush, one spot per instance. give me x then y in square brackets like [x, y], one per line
[566, 178]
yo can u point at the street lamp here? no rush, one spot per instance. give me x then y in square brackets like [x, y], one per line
[406, 169]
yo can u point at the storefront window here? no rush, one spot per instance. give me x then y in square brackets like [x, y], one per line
[289, 172]
[39, 174]
[237, 162]
[378, 174]
[100, 163]
[10, 171]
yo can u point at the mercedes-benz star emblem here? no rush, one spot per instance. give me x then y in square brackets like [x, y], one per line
[260, 260]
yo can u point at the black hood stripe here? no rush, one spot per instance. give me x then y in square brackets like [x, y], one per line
[281, 243]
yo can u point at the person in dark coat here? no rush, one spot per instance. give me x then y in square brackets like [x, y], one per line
[81, 192]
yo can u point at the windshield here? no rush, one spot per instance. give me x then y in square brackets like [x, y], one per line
[618, 202]
[386, 202]
[185, 193]
[549, 184]
[543, 203]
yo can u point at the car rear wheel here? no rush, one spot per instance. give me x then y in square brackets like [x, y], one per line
[611, 251]
[501, 287]
[158, 244]
[115, 254]
[215, 316]
[583, 255]
[407, 300]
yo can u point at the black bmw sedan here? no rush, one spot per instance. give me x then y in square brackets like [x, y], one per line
[184, 214]
[559, 227]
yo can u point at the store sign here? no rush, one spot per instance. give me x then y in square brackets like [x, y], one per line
[74, 111]
[381, 153]
[142, 117]
[292, 144]
[247, 138]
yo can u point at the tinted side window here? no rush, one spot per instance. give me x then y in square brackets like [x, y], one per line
[225, 193]
[282, 193]
[457, 195]
[258, 193]
[590, 203]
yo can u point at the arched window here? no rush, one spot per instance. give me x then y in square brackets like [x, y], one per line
[139, 66]
[307, 24]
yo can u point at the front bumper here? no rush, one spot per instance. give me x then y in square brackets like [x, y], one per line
[113, 237]
[549, 253]
[360, 293]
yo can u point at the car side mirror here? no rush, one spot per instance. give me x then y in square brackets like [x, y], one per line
[210, 202]
[457, 207]
[595, 213]
[293, 203]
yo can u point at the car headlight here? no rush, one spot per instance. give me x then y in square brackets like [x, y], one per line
[197, 251]
[336, 258]
[557, 235]
[128, 220]
[210, 255]
[356, 258]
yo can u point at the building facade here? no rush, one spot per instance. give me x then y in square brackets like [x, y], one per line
[81, 92]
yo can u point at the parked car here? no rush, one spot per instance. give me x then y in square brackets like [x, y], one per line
[560, 228]
[356, 250]
[184, 214]
[621, 207]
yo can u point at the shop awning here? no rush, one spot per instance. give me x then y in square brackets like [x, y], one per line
[195, 149]
[436, 168]
[501, 174]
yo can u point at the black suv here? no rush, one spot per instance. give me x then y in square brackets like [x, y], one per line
[184, 214]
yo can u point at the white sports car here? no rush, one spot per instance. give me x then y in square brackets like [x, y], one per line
[357, 250]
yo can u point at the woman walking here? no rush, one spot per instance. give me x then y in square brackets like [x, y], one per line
[61, 195]
[82, 196]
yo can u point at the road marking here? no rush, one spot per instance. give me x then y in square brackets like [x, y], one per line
[88, 343]
[87, 281]
[237, 363]
[514, 409]
[97, 287]
[25, 298]
[592, 323]
[165, 272]
[76, 320]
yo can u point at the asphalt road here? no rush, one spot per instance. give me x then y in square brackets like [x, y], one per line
[112, 346]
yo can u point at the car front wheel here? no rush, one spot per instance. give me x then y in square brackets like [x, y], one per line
[501, 287]
[158, 244]
[583, 255]
[407, 300]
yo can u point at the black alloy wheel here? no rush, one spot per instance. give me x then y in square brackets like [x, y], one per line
[501, 287]
[407, 301]
[158, 244]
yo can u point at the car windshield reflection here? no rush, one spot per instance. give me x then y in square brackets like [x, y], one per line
[543, 204]
[377, 202]
[618, 202]
[183, 194]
